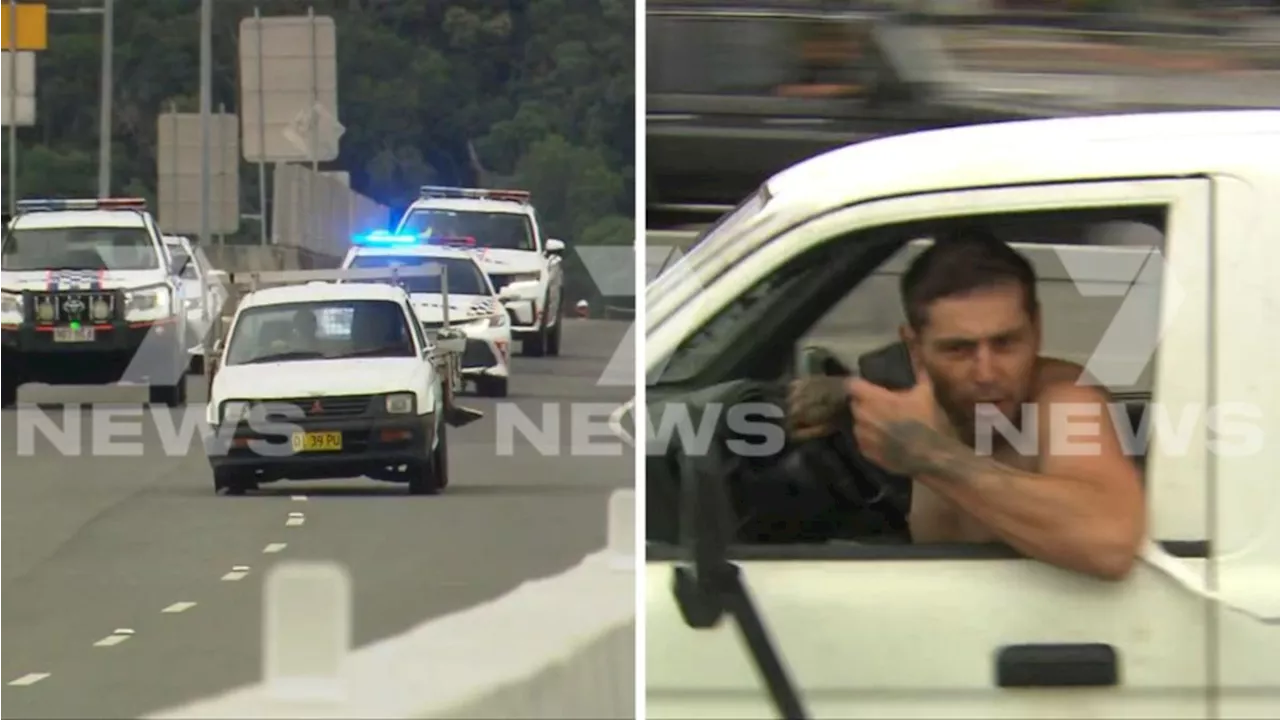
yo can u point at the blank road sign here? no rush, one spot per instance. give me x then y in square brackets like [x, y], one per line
[25, 100]
[288, 68]
[32, 27]
[178, 173]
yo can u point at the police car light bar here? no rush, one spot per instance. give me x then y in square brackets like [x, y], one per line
[54, 204]
[382, 238]
[300, 277]
[439, 191]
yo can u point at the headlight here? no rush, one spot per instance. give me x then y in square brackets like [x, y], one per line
[150, 302]
[234, 410]
[400, 403]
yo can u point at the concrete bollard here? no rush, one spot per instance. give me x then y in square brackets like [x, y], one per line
[306, 630]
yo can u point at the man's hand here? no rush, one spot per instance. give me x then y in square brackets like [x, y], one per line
[888, 424]
[816, 406]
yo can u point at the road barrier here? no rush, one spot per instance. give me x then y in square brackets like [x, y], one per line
[558, 647]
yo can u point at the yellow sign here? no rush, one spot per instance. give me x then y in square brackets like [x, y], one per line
[32, 27]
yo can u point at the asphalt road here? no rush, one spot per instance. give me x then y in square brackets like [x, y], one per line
[93, 544]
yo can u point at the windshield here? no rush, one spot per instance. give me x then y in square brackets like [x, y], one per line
[464, 277]
[499, 230]
[320, 331]
[80, 248]
[703, 263]
[182, 259]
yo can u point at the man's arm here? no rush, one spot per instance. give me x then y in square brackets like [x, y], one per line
[1084, 510]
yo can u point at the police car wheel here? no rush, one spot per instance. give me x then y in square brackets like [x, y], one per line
[9, 391]
[491, 386]
[536, 345]
[169, 395]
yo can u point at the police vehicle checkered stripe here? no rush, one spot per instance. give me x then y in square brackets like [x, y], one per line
[481, 307]
[64, 280]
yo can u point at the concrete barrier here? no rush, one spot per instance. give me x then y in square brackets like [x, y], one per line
[557, 647]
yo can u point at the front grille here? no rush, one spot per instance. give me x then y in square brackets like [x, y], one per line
[327, 407]
[65, 308]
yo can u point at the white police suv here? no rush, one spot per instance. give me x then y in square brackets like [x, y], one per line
[501, 229]
[330, 380]
[90, 298]
[473, 307]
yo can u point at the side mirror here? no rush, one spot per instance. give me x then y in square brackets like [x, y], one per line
[506, 293]
[555, 247]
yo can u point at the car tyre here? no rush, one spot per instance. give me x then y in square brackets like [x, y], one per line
[535, 346]
[432, 476]
[553, 338]
[495, 387]
[10, 379]
[169, 395]
[229, 481]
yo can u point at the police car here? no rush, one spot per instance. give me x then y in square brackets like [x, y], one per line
[203, 292]
[502, 229]
[473, 307]
[327, 379]
[90, 297]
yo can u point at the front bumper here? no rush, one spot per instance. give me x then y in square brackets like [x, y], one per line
[488, 352]
[368, 445]
[116, 337]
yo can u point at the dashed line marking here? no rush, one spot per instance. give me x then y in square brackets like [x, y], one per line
[179, 607]
[295, 519]
[28, 679]
[115, 638]
[275, 548]
[299, 498]
[237, 573]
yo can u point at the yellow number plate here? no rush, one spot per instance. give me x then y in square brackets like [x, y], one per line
[317, 442]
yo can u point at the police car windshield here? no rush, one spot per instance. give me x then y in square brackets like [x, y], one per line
[320, 331]
[80, 248]
[498, 230]
[464, 277]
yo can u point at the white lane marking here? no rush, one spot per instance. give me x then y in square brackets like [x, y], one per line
[28, 679]
[237, 573]
[295, 519]
[115, 638]
[299, 498]
[179, 607]
[275, 547]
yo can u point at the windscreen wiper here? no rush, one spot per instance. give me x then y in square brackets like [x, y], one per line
[280, 357]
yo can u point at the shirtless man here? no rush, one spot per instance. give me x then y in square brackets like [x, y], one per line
[1073, 499]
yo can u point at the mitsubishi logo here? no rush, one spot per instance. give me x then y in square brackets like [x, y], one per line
[316, 408]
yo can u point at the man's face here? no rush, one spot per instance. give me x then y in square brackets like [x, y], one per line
[979, 348]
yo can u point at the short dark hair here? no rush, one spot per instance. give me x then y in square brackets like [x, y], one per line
[960, 261]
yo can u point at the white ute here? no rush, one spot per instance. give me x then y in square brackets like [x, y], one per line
[501, 227]
[331, 380]
[1157, 242]
[91, 298]
[473, 309]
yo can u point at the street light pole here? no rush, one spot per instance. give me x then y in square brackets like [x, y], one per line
[206, 109]
[105, 110]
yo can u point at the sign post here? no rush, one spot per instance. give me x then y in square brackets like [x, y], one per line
[25, 30]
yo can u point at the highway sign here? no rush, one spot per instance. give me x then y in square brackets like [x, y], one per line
[32, 27]
[288, 68]
[315, 125]
[178, 173]
[23, 112]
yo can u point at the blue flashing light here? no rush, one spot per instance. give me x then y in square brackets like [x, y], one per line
[383, 238]
[56, 204]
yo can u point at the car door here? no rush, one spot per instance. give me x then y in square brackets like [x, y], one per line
[922, 631]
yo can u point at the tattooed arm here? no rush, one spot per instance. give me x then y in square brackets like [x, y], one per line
[1084, 510]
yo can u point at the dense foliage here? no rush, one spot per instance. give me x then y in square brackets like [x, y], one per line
[530, 93]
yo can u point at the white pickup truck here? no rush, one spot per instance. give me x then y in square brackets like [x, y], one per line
[807, 601]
